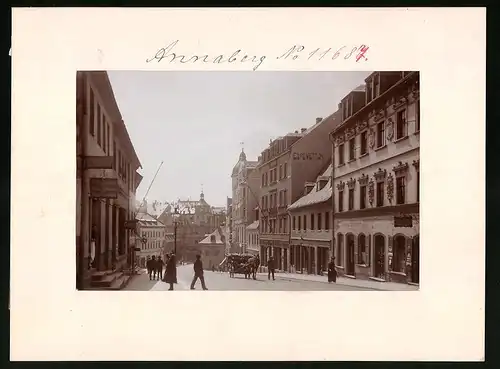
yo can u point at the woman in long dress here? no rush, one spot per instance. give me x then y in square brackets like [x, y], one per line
[170, 276]
[332, 272]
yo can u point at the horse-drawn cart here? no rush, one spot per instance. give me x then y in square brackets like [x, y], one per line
[245, 264]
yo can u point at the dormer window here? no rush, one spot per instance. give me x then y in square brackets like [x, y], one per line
[212, 238]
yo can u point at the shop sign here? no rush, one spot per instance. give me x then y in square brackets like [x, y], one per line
[403, 221]
[307, 156]
[104, 188]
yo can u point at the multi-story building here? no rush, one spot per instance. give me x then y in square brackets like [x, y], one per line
[253, 244]
[193, 221]
[377, 178]
[211, 248]
[151, 238]
[106, 181]
[168, 245]
[245, 182]
[311, 226]
[284, 167]
[217, 217]
[229, 224]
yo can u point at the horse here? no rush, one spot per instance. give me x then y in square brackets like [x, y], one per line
[251, 267]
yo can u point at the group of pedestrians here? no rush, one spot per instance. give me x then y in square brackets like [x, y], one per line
[155, 268]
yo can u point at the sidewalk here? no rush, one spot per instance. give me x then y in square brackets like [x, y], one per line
[381, 286]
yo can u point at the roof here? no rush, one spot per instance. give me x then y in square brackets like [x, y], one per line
[315, 196]
[218, 209]
[220, 238]
[360, 88]
[146, 219]
[253, 226]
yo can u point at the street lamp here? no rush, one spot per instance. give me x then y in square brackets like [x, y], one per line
[176, 218]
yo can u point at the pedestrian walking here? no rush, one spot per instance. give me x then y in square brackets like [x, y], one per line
[170, 276]
[198, 273]
[332, 272]
[159, 267]
[149, 266]
[153, 267]
[270, 268]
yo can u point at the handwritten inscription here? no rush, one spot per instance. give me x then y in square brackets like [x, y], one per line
[296, 52]
[307, 156]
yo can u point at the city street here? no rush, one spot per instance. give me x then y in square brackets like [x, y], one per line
[221, 282]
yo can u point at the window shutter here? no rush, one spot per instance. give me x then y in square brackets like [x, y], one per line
[369, 245]
[390, 253]
[409, 244]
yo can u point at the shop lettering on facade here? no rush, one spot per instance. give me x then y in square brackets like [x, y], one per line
[307, 156]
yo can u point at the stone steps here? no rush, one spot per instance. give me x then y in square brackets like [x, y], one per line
[109, 280]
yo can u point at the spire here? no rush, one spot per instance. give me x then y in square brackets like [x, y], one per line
[243, 156]
[202, 196]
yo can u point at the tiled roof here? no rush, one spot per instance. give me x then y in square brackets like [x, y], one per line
[145, 219]
[315, 196]
[219, 233]
[254, 225]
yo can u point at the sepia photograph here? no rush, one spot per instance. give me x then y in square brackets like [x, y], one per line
[295, 181]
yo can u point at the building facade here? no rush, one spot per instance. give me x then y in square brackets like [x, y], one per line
[284, 167]
[211, 248]
[229, 224]
[377, 180]
[151, 238]
[311, 233]
[106, 181]
[194, 221]
[245, 186]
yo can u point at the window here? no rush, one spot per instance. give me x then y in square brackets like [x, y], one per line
[99, 117]
[341, 154]
[91, 113]
[362, 255]
[299, 218]
[380, 193]
[212, 238]
[104, 135]
[305, 222]
[262, 181]
[418, 186]
[400, 190]
[280, 225]
[417, 116]
[398, 260]
[340, 248]
[281, 172]
[320, 225]
[352, 154]
[327, 220]
[285, 175]
[312, 222]
[285, 198]
[293, 222]
[364, 142]
[362, 197]
[381, 134]
[401, 127]
[341, 201]
[376, 86]
[351, 198]
[114, 156]
[108, 141]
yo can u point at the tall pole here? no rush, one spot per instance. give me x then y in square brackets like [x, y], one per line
[330, 137]
[175, 237]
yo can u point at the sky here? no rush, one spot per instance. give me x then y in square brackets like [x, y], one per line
[195, 122]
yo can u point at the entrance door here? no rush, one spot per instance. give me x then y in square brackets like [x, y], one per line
[350, 255]
[379, 271]
[415, 258]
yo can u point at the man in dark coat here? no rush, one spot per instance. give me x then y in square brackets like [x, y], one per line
[170, 272]
[270, 268]
[149, 266]
[198, 273]
[332, 272]
[153, 267]
[159, 268]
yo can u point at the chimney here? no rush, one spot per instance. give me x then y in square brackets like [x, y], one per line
[302, 130]
[296, 131]
[318, 119]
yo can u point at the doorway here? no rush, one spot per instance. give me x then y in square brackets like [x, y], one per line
[415, 258]
[379, 267]
[350, 255]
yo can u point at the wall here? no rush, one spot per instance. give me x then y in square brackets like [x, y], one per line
[316, 141]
